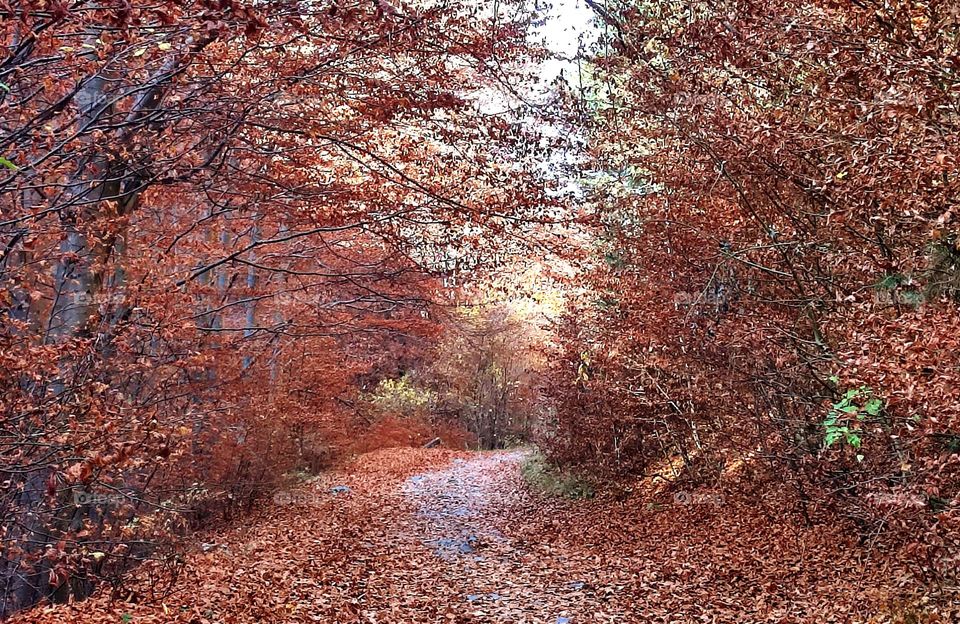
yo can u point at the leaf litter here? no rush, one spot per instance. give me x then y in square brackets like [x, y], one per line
[418, 535]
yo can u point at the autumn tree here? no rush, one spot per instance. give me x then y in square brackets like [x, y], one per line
[486, 374]
[214, 218]
[773, 283]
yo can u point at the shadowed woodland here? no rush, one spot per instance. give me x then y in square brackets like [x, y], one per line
[453, 311]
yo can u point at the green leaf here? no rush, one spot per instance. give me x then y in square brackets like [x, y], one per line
[854, 440]
[873, 406]
[889, 282]
[834, 379]
[9, 165]
[4, 87]
[912, 297]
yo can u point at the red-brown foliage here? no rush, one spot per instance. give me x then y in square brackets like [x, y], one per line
[776, 224]
[217, 222]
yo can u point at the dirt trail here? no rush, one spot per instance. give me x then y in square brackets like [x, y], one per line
[460, 517]
[451, 504]
[429, 536]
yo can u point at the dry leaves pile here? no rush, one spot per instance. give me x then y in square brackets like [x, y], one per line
[406, 535]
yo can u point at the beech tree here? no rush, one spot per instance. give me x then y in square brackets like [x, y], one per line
[214, 218]
[776, 270]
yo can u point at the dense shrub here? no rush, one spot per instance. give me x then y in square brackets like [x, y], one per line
[776, 235]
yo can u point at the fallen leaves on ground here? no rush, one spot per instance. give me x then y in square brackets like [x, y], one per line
[413, 535]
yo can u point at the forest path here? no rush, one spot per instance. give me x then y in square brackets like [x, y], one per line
[462, 513]
[434, 536]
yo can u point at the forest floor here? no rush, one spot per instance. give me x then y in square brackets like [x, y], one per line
[413, 535]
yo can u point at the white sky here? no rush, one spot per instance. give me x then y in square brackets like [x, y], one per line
[568, 31]
[569, 23]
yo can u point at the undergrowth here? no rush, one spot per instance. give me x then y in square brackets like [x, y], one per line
[550, 480]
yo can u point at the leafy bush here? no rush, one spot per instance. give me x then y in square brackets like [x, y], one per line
[548, 479]
[847, 417]
[401, 396]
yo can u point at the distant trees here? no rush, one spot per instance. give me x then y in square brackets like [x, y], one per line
[477, 384]
[487, 374]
